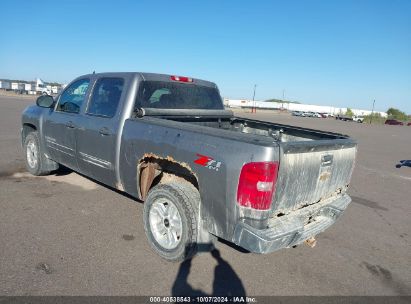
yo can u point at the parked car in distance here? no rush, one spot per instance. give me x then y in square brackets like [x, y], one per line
[359, 119]
[409, 124]
[297, 113]
[394, 122]
[319, 115]
[343, 117]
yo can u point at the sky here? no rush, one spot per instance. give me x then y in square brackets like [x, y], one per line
[332, 52]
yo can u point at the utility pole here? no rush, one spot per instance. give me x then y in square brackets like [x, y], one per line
[254, 105]
[282, 104]
[372, 111]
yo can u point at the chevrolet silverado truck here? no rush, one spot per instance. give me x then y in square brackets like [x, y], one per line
[201, 172]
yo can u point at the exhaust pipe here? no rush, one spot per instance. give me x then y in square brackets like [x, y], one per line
[311, 242]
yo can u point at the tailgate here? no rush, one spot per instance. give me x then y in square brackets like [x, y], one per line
[311, 171]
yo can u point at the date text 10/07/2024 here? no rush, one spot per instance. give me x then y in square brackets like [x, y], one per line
[203, 299]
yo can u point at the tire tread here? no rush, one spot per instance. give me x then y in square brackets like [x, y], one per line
[189, 200]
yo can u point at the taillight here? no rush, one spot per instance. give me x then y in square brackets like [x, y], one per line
[181, 78]
[256, 186]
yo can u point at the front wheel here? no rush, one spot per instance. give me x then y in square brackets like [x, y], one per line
[171, 220]
[36, 163]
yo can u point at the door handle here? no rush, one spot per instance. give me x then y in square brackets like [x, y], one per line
[104, 131]
[70, 125]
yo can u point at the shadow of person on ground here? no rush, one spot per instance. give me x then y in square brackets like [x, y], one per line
[402, 163]
[226, 281]
[181, 286]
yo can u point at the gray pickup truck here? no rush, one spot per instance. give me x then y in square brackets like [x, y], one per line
[201, 172]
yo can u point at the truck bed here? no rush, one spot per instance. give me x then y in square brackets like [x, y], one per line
[278, 132]
[226, 121]
[314, 165]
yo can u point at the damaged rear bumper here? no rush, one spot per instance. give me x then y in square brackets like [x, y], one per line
[292, 229]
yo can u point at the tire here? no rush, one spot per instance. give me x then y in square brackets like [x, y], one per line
[36, 162]
[162, 230]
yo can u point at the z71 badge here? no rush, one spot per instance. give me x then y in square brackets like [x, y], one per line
[207, 161]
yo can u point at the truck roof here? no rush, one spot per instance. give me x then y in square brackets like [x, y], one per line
[149, 77]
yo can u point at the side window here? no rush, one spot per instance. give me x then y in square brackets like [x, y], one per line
[73, 97]
[106, 97]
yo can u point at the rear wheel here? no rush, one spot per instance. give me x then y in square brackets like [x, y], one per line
[171, 220]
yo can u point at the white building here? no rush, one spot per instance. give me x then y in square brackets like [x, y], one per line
[15, 86]
[245, 103]
[5, 85]
[27, 87]
[20, 86]
[30, 87]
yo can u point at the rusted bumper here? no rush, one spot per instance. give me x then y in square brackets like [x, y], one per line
[291, 229]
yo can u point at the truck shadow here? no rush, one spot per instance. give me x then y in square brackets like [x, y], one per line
[233, 246]
[402, 163]
[62, 171]
[226, 281]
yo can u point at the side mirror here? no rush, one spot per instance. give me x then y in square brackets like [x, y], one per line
[45, 101]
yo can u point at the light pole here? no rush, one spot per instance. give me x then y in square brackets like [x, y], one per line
[372, 111]
[254, 105]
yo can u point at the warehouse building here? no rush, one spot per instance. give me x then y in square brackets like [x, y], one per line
[30, 87]
[243, 103]
[5, 85]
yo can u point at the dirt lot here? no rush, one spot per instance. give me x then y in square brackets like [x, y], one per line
[66, 235]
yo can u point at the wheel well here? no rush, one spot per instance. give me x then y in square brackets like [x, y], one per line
[152, 170]
[27, 128]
